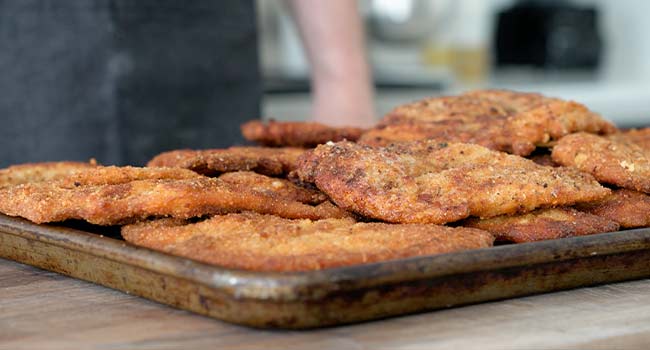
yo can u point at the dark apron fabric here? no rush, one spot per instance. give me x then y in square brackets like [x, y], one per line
[122, 80]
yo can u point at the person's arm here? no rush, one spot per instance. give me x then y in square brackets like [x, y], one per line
[332, 34]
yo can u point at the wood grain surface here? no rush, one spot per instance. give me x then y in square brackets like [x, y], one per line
[44, 310]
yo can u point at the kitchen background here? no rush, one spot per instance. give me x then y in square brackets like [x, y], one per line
[593, 51]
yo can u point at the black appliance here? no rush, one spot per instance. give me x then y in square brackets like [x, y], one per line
[548, 34]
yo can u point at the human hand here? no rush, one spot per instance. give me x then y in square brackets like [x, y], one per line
[332, 34]
[347, 102]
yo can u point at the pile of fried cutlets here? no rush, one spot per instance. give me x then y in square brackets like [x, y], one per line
[439, 175]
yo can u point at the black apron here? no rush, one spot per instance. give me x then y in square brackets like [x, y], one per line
[122, 80]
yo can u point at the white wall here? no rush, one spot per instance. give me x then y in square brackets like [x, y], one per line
[626, 29]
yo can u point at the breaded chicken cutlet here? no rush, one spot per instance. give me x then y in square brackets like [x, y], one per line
[431, 182]
[639, 137]
[543, 224]
[139, 193]
[485, 131]
[296, 134]
[629, 208]
[263, 160]
[537, 119]
[40, 172]
[269, 243]
[618, 163]
[444, 119]
[444, 109]
[114, 175]
[274, 186]
[498, 119]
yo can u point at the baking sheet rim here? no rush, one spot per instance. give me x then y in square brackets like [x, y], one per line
[300, 286]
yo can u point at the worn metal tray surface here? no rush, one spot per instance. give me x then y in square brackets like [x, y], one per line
[333, 296]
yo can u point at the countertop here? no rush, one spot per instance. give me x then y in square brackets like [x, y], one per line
[44, 310]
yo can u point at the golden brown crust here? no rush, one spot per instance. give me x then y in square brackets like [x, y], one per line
[639, 137]
[296, 134]
[268, 243]
[443, 109]
[263, 160]
[629, 208]
[498, 119]
[443, 119]
[512, 101]
[622, 164]
[124, 202]
[543, 224]
[429, 182]
[484, 131]
[114, 175]
[273, 186]
[552, 121]
[40, 172]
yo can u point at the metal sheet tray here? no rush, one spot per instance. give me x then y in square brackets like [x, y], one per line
[333, 296]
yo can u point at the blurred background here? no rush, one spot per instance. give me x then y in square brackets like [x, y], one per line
[593, 51]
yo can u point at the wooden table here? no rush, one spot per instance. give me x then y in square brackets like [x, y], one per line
[44, 310]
